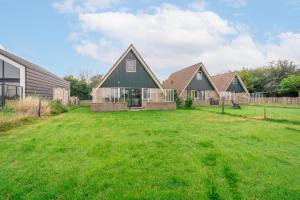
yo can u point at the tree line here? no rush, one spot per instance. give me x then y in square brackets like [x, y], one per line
[280, 78]
[82, 86]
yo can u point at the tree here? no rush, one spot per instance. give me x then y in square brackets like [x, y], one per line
[290, 85]
[268, 78]
[247, 78]
[95, 81]
[79, 87]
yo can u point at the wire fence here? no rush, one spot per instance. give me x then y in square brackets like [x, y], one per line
[10, 92]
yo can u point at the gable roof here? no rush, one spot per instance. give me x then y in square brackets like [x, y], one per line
[139, 57]
[27, 64]
[223, 81]
[180, 80]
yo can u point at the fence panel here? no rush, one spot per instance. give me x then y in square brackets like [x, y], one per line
[61, 94]
[275, 100]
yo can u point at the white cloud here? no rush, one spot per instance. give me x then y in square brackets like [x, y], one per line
[72, 6]
[74, 36]
[235, 3]
[170, 38]
[66, 6]
[198, 5]
[102, 50]
[1, 46]
[288, 47]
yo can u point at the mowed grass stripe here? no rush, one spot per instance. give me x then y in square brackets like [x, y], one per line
[182, 154]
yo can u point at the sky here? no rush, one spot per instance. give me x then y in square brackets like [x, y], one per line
[73, 36]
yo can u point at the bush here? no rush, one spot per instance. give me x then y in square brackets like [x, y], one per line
[177, 99]
[57, 107]
[188, 102]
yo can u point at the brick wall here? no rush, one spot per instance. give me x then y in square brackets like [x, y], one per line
[201, 103]
[108, 107]
[160, 105]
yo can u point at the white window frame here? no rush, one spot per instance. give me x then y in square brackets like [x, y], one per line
[199, 75]
[198, 95]
[115, 95]
[235, 81]
[143, 92]
[128, 68]
[169, 95]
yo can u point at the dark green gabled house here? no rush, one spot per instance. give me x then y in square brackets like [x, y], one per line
[231, 87]
[130, 83]
[193, 81]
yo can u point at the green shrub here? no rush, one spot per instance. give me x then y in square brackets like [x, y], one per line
[57, 107]
[177, 99]
[189, 102]
[8, 110]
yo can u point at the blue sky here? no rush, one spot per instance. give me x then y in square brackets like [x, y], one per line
[72, 36]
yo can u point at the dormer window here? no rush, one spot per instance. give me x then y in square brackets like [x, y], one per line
[130, 65]
[235, 81]
[199, 75]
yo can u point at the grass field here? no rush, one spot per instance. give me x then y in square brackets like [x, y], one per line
[182, 154]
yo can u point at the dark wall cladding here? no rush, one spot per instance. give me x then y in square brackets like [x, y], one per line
[42, 84]
[38, 81]
[139, 79]
[236, 87]
[201, 85]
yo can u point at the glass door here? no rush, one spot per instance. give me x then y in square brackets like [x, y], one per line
[133, 97]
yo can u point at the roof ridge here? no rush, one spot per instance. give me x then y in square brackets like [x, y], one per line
[224, 74]
[26, 63]
[183, 69]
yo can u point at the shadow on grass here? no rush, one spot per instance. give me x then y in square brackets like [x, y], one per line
[283, 121]
[293, 129]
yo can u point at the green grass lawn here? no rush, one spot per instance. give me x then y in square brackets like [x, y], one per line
[182, 154]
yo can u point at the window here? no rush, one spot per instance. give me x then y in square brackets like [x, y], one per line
[198, 95]
[130, 65]
[199, 75]
[146, 93]
[235, 80]
[115, 95]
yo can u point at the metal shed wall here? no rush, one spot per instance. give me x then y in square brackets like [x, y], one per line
[42, 84]
[38, 81]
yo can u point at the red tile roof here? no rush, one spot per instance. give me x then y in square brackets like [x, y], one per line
[222, 81]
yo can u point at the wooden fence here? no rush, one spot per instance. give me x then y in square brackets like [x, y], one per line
[61, 94]
[275, 100]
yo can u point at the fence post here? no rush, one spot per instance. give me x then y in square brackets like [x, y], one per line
[223, 102]
[39, 108]
[265, 110]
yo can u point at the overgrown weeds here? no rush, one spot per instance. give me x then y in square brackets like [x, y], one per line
[16, 113]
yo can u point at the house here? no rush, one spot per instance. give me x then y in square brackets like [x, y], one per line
[231, 87]
[193, 81]
[130, 84]
[20, 78]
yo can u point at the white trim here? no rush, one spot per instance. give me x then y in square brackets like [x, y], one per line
[131, 47]
[127, 68]
[208, 77]
[241, 82]
[22, 71]
[143, 92]
[200, 77]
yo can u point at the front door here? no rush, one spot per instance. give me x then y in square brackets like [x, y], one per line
[134, 97]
